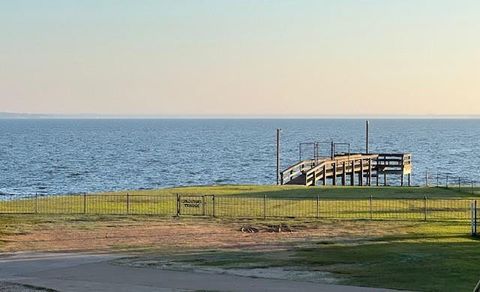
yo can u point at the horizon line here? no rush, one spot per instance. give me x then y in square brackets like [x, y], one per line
[13, 115]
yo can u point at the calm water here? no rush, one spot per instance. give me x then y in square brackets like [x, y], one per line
[69, 156]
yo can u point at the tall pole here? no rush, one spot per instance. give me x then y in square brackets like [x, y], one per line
[332, 150]
[278, 156]
[366, 136]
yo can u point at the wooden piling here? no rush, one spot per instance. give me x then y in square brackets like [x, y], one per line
[334, 176]
[324, 179]
[352, 174]
[360, 174]
[369, 172]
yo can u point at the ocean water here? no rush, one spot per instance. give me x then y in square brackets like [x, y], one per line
[70, 156]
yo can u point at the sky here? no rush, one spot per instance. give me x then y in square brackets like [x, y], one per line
[240, 58]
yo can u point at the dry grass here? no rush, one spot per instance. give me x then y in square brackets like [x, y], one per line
[115, 233]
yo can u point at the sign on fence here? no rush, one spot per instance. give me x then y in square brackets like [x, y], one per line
[191, 203]
[199, 205]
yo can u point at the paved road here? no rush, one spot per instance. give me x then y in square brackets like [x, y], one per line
[93, 272]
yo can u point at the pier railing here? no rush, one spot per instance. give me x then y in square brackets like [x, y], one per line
[313, 207]
[351, 168]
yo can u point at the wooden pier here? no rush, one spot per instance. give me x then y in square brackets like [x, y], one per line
[362, 169]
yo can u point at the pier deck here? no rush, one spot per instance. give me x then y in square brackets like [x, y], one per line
[349, 169]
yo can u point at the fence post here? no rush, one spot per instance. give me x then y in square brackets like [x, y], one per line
[318, 206]
[475, 216]
[36, 203]
[177, 206]
[84, 203]
[128, 204]
[264, 206]
[425, 208]
[213, 200]
[473, 211]
[370, 206]
[472, 220]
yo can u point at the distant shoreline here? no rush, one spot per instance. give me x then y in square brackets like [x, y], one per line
[29, 116]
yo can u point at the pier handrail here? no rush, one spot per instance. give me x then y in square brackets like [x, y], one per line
[295, 170]
[337, 159]
[297, 165]
[398, 158]
[312, 173]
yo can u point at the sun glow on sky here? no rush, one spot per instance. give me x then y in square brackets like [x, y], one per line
[240, 58]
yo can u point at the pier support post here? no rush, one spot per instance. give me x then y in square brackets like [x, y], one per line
[324, 180]
[385, 179]
[369, 172]
[334, 177]
[360, 174]
[344, 174]
[352, 175]
[409, 180]
[401, 179]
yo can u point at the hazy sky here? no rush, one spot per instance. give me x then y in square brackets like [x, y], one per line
[262, 58]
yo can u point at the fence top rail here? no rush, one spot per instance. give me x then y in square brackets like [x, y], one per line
[233, 196]
[331, 197]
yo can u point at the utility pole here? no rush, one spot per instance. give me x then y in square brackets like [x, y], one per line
[367, 124]
[278, 156]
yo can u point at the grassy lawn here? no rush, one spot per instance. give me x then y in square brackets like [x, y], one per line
[263, 201]
[428, 257]
[437, 255]
[323, 192]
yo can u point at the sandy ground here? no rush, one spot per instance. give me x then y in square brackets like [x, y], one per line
[70, 268]
[93, 272]
[172, 234]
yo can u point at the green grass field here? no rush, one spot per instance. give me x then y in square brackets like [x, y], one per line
[436, 255]
[397, 203]
[324, 192]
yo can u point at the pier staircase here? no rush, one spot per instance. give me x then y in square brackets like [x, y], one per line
[349, 169]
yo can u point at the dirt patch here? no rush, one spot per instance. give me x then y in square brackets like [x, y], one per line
[185, 233]
[269, 228]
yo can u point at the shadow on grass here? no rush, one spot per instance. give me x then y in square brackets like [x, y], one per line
[424, 266]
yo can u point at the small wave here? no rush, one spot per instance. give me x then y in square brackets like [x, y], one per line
[75, 174]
